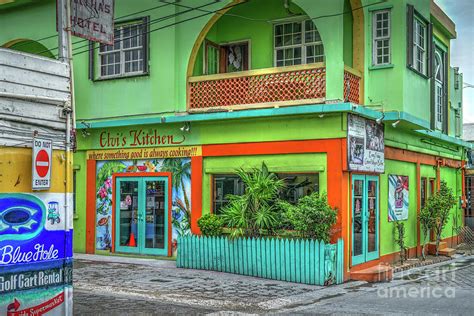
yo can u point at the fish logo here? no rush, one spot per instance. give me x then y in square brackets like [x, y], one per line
[22, 216]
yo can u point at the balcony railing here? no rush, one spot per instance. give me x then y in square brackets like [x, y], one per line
[283, 86]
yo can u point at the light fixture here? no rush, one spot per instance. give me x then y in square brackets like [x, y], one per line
[394, 124]
[86, 125]
[321, 115]
[380, 119]
[186, 127]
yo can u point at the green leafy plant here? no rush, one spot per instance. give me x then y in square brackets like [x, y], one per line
[312, 217]
[211, 225]
[400, 240]
[255, 210]
[440, 205]
[427, 223]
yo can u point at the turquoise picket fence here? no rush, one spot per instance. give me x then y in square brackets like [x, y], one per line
[300, 261]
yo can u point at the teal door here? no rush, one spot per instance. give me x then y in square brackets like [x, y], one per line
[365, 218]
[141, 215]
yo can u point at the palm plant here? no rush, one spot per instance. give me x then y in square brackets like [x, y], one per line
[247, 214]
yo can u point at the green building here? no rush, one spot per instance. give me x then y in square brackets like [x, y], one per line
[354, 98]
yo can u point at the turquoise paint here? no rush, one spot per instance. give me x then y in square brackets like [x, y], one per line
[141, 216]
[301, 261]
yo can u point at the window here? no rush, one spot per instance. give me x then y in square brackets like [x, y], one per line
[439, 86]
[419, 46]
[225, 58]
[297, 43]
[223, 186]
[296, 186]
[128, 55]
[381, 37]
[423, 192]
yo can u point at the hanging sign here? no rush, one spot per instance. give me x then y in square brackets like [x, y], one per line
[41, 169]
[365, 145]
[93, 20]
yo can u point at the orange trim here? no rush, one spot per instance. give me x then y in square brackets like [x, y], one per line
[418, 208]
[438, 178]
[196, 193]
[170, 197]
[90, 206]
[414, 157]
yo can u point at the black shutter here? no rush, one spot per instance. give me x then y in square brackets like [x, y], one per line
[410, 16]
[445, 93]
[430, 49]
[145, 42]
[91, 60]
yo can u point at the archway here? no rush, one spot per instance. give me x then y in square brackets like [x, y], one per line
[29, 46]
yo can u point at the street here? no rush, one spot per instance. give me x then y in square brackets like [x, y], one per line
[130, 286]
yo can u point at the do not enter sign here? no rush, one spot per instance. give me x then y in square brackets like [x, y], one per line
[42, 150]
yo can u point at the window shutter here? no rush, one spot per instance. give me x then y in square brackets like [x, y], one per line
[91, 60]
[430, 48]
[445, 93]
[410, 14]
[145, 42]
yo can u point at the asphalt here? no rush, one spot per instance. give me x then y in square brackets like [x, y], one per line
[106, 285]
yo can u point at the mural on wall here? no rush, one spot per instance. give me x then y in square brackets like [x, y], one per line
[365, 139]
[181, 191]
[397, 198]
[35, 254]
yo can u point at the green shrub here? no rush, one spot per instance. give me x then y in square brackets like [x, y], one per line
[400, 240]
[211, 225]
[253, 212]
[312, 217]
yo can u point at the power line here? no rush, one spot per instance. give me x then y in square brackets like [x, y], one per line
[154, 21]
[115, 20]
[163, 27]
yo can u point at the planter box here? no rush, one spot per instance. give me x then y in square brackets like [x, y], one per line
[300, 261]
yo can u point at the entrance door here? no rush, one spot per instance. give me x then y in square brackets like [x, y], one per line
[365, 218]
[141, 212]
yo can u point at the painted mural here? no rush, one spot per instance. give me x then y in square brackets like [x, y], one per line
[397, 198]
[35, 254]
[181, 191]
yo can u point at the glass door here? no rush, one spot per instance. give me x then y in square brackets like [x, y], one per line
[142, 215]
[365, 218]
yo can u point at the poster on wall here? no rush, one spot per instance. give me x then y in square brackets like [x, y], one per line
[181, 194]
[397, 198]
[365, 149]
[35, 254]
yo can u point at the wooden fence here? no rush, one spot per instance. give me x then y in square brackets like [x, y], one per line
[300, 261]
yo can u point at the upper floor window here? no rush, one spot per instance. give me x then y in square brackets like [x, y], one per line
[381, 37]
[419, 45]
[128, 55]
[296, 43]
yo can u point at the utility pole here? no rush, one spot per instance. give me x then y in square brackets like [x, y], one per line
[65, 55]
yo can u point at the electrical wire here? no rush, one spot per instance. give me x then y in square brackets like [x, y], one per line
[151, 22]
[160, 28]
[115, 20]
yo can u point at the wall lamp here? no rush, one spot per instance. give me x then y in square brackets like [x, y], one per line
[380, 119]
[186, 127]
[394, 124]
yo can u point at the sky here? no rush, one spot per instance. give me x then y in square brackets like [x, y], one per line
[462, 48]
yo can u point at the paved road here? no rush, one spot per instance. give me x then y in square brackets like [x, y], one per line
[150, 287]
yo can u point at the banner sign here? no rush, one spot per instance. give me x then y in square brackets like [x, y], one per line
[397, 198]
[93, 20]
[41, 169]
[365, 145]
[145, 153]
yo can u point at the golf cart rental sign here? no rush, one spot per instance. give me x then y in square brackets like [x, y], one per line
[365, 145]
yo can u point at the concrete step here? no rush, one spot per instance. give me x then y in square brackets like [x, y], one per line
[448, 252]
[432, 247]
[378, 273]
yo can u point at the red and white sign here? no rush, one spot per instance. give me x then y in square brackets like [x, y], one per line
[41, 171]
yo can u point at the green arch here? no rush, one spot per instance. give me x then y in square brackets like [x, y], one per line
[29, 46]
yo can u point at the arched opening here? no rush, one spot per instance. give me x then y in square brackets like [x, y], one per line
[255, 35]
[29, 46]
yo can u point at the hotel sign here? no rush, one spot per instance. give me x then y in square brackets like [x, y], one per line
[93, 20]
